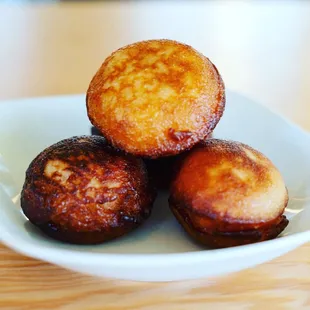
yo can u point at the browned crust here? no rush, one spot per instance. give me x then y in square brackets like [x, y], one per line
[226, 193]
[160, 170]
[222, 239]
[196, 108]
[223, 179]
[98, 194]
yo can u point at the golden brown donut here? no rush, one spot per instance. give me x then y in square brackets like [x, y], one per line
[226, 194]
[156, 98]
[81, 190]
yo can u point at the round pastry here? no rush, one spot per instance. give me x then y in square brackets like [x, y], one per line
[226, 194]
[156, 98]
[80, 190]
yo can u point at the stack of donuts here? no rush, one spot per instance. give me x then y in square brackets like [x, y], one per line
[154, 105]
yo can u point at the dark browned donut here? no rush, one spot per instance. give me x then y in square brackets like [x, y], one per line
[81, 190]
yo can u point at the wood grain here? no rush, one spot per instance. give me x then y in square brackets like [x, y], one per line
[30, 284]
[261, 49]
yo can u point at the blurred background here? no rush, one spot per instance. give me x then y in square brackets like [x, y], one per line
[261, 48]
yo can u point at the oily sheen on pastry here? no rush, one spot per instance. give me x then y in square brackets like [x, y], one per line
[156, 98]
[81, 190]
[226, 194]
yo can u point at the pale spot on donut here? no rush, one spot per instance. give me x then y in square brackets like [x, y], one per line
[127, 93]
[243, 175]
[94, 183]
[149, 59]
[165, 92]
[162, 68]
[57, 170]
[251, 155]
[112, 184]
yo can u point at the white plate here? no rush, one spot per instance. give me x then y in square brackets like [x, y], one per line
[159, 250]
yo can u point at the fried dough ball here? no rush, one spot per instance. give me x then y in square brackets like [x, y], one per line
[226, 194]
[156, 98]
[80, 190]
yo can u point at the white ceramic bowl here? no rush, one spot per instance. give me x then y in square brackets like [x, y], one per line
[159, 250]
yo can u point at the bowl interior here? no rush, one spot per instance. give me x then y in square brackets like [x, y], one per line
[29, 126]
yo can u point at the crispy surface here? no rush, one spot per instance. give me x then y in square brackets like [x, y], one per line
[224, 239]
[81, 190]
[160, 170]
[227, 190]
[156, 98]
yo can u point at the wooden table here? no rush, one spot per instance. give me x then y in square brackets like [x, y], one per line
[262, 51]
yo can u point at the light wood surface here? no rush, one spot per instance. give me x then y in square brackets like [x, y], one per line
[261, 49]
